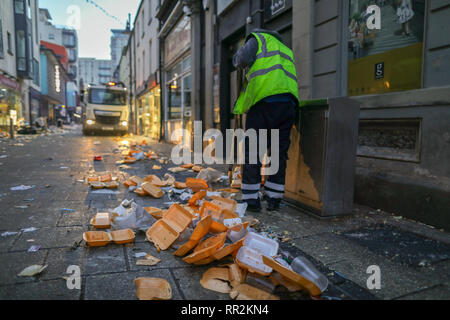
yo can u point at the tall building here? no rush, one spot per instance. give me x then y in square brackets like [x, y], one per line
[94, 71]
[19, 62]
[119, 40]
[68, 38]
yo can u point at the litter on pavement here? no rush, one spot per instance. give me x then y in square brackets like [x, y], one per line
[201, 225]
[22, 188]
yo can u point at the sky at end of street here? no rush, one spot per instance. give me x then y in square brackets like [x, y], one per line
[94, 33]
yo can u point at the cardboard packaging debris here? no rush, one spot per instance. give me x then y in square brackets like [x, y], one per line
[246, 292]
[197, 197]
[153, 289]
[196, 184]
[101, 238]
[155, 212]
[216, 279]
[148, 261]
[206, 248]
[152, 190]
[199, 232]
[166, 230]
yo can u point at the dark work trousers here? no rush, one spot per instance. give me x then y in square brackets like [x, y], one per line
[264, 115]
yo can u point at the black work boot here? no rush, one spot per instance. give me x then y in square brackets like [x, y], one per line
[273, 204]
[253, 205]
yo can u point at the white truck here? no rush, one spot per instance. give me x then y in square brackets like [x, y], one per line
[105, 109]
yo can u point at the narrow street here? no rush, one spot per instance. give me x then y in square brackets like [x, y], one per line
[414, 259]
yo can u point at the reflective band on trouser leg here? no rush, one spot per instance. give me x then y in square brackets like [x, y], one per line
[250, 191]
[274, 186]
[248, 196]
[274, 195]
[251, 187]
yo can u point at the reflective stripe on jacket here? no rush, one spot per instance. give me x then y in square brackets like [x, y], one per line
[272, 73]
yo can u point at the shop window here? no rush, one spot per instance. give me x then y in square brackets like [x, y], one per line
[19, 7]
[174, 100]
[21, 51]
[390, 58]
[179, 91]
[9, 43]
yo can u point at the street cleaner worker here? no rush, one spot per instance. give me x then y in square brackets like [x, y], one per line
[269, 98]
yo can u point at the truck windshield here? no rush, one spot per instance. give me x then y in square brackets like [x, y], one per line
[107, 96]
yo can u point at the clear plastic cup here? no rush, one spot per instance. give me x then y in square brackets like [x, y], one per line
[307, 270]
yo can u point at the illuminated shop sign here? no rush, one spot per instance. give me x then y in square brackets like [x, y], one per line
[57, 79]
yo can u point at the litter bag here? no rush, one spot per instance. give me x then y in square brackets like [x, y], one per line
[130, 215]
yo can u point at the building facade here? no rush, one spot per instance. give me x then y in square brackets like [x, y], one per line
[399, 73]
[94, 71]
[10, 89]
[54, 81]
[26, 38]
[119, 40]
[146, 59]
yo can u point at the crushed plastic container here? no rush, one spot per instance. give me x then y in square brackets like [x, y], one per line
[304, 267]
[308, 278]
[250, 255]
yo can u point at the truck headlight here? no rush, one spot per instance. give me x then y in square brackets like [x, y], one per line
[90, 122]
[124, 123]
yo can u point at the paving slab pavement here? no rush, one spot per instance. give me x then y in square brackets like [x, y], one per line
[108, 272]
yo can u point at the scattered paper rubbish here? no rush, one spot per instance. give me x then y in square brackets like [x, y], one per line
[8, 233]
[22, 188]
[209, 175]
[241, 208]
[185, 196]
[4, 156]
[148, 261]
[246, 292]
[140, 254]
[32, 270]
[130, 215]
[105, 191]
[216, 279]
[177, 169]
[32, 229]
[64, 210]
[34, 248]
[152, 289]
[21, 207]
